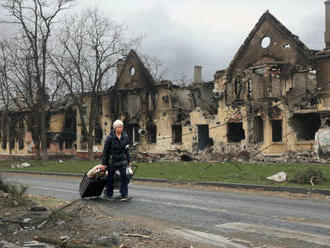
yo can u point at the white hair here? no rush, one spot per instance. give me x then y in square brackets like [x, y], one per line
[117, 123]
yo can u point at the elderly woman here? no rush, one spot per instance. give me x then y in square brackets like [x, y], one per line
[116, 157]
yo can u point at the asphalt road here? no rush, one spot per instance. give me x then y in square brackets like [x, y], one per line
[212, 218]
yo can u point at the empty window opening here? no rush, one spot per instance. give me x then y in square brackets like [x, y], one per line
[177, 133]
[277, 130]
[152, 133]
[98, 134]
[21, 125]
[21, 143]
[258, 129]
[60, 141]
[306, 125]
[235, 132]
[203, 136]
[238, 88]
[68, 143]
[117, 105]
[132, 71]
[83, 135]
[49, 140]
[4, 135]
[12, 133]
[132, 131]
[11, 143]
[113, 106]
[4, 142]
[265, 42]
[70, 131]
[286, 45]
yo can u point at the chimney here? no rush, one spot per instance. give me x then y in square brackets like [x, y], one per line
[120, 65]
[198, 73]
[327, 24]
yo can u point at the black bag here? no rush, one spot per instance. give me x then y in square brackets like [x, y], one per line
[90, 187]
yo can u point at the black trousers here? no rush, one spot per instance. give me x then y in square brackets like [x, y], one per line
[123, 181]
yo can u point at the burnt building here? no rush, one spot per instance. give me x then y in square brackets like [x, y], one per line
[273, 100]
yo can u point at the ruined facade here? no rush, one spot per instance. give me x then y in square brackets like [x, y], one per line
[272, 100]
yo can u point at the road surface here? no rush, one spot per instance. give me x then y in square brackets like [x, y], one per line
[213, 218]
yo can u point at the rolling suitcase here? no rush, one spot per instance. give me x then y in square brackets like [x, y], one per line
[92, 187]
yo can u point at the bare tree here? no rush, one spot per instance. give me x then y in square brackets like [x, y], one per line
[35, 20]
[20, 89]
[154, 65]
[183, 80]
[90, 45]
[5, 100]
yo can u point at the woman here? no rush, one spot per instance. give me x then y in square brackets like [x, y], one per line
[116, 157]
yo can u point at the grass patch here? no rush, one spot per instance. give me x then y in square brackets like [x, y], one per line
[246, 173]
[69, 166]
[229, 172]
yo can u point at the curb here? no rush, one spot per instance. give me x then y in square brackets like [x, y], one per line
[215, 184]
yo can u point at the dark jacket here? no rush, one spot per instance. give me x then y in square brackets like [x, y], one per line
[115, 151]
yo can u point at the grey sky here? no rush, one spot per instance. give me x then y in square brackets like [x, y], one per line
[184, 33]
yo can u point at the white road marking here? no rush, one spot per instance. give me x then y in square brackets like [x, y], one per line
[186, 206]
[205, 238]
[278, 232]
[54, 189]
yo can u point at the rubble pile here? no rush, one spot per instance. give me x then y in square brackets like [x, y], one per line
[210, 155]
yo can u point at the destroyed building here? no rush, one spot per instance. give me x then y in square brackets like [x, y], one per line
[273, 100]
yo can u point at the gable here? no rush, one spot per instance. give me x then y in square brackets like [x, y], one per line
[283, 47]
[133, 74]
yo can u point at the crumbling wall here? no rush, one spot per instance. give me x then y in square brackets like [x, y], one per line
[304, 90]
[323, 80]
[203, 97]
[182, 98]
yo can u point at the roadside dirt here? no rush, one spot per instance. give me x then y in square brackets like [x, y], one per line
[76, 224]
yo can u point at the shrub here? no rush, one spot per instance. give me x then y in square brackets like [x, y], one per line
[304, 177]
[12, 194]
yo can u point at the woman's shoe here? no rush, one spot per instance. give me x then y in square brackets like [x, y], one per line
[125, 198]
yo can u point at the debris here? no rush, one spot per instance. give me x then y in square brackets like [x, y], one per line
[38, 209]
[64, 237]
[42, 224]
[311, 181]
[278, 177]
[186, 157]
[114, 239]
[136, 235]
[60, 161]
[61, 222]
[35, 244]
[23, 165]
[7, 244]
[26, 220]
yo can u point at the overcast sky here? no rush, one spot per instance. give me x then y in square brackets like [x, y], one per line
[184, 33]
